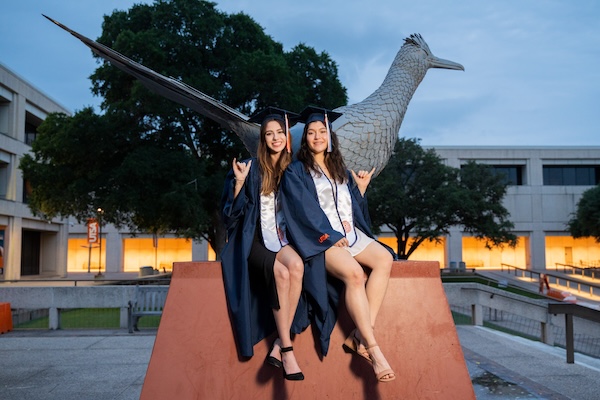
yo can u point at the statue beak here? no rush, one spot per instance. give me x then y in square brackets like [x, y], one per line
[435, 62]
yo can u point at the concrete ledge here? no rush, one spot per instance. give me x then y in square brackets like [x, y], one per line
[195, 357]
[55, 298]
[32, 297]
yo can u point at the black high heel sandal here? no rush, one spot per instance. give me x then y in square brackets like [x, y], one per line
[296, 376]
[272, 360]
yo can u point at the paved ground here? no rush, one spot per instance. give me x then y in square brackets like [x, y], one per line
[503, 366]
[70, 365]
[111, 364]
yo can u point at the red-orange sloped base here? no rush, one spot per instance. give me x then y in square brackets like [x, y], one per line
[194, 355]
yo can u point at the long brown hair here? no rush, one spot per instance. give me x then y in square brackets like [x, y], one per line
[333, 161]
[271, 174]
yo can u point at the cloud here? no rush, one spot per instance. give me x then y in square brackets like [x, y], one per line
[532, 68]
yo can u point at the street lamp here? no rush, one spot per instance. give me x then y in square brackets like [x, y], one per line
[99, 275]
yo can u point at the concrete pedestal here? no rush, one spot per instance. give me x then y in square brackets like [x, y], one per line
[195, 357]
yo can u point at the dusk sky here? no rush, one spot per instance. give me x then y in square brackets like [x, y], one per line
[532, 67]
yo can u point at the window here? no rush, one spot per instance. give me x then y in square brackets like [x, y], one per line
[4, 109]
[31, 124]
[513, 174]
[30, 133]
[571, 175]
[4, 174]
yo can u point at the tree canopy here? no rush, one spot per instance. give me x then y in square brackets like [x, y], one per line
[585, 222]
[149, 163]
[419, 198]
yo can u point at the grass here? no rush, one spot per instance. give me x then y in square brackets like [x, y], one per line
[91, 318]
[490, 283]
[461, 319]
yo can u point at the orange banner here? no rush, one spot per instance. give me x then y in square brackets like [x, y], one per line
[92, 231]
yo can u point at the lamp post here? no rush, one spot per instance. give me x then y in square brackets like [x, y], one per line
[99, 275]
[89, 247]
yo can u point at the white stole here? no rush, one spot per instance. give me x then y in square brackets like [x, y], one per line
[336, 202]
[271, 222]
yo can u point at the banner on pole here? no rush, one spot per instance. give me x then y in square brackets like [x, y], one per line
[92, 231]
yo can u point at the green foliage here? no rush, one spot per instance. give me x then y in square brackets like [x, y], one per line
[480, 210]
[418, 197]
[585, 222]
[148, 162]
[411, 195]
[83, 163]
[79, 318]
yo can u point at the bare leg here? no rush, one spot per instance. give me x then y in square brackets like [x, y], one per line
[379, 261]
[343, 266]
[288, 257]
[288, 271]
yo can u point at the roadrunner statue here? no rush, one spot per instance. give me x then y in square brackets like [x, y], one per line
[367, 131]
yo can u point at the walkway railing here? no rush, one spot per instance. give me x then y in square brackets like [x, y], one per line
[592, 272]
[570, 311]
[532, 318]
[580, 285]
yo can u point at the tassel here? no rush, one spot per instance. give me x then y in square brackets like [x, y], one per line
[288, 135]
[329, 145]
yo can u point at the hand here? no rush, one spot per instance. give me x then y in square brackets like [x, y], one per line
[241, 169]
[343, 242]
[362, 179]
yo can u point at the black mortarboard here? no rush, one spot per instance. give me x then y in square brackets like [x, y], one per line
[288, 118]
[273, 113]
[312, 114]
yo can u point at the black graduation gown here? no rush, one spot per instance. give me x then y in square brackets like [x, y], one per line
[310, 232]
[250, 314]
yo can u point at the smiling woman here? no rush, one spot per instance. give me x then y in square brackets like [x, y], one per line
[322, 199]
[262, 273]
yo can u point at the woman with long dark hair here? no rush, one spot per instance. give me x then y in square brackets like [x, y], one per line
[325, 208]
[260, 269]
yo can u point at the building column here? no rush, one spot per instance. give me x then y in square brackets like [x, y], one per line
[12, 248]
[537, 244]
[113, 249]
[453, 246]
[199, 250]
[63, 248]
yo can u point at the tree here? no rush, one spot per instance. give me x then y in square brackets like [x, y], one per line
[480, 210]
[585, 222]
[150, 163]
[420, 198]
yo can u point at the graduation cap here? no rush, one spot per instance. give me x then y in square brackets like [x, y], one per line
[312, 114]
[288, 118]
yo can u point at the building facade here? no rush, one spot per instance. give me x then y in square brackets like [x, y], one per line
[29, 245]
[545, 184]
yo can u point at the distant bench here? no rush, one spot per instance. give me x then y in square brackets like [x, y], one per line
[148, 300]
